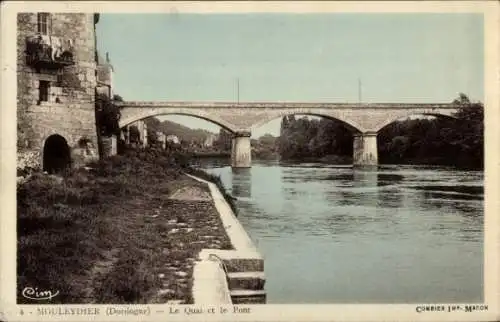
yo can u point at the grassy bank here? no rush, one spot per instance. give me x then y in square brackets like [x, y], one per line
[113, 234]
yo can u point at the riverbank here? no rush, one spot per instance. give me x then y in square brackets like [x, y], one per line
[209, 154]
[127, 230]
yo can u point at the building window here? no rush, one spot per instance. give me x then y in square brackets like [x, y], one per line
[43, 23]
[43, 91]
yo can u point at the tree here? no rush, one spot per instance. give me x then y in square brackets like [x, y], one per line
[304, 138]
[107, 116]
[471, 126]
[462, 100]
[117, 98]
[284, 125]
[152, 136]
[399, 145]
[153, 127]
[224, 141]
[134, 134]
[267, 139]
[442, 140]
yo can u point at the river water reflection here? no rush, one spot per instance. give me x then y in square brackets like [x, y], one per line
[331, 234]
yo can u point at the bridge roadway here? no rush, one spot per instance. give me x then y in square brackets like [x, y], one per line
[365, 120]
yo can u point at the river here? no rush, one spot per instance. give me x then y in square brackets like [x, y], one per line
[331, 234]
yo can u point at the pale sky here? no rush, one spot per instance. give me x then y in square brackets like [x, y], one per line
[293, 57]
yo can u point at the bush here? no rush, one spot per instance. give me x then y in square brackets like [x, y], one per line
[107, 116]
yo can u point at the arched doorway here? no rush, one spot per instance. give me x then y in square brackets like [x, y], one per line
[56, 154]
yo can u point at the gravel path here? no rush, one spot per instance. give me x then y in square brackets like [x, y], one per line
[191, 193]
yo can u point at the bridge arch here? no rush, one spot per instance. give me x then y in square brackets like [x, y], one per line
[416, 139]
[318, 139]
[131, 115]
[351, 125]
[393, 117]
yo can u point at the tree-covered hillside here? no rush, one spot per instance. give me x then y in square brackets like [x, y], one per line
[184, 133]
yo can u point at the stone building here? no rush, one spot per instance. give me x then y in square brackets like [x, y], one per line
[142, 134]
[56, 81]
[174, 139]
[209, 141]
[104, 87]
[105, 73]
[162, 139]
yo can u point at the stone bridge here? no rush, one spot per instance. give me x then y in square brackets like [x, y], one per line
[364, 120]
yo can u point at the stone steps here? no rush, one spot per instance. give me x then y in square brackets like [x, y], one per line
[244, 264]
[243, 274]
[241, 296]
[246, 280]
[247, 286]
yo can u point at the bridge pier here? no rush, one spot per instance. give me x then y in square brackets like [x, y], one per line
[241, 150]
[365, 150]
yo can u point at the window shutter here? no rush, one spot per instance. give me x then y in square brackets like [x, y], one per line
[49, 24]
[44, 23]
[39, 22]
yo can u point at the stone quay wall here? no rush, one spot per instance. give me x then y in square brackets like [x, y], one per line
[229, 276]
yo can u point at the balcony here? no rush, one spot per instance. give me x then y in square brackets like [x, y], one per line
[49, 52]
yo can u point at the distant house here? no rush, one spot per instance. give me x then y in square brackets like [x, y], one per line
[142, 127]
[209, 141]
[173, 139]
[140, 137]
[162, 138]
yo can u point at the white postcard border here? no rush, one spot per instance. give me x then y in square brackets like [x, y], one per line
[350, 312]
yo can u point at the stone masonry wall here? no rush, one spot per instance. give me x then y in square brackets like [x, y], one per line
[104, 78]
[105, 87]
[70, 110]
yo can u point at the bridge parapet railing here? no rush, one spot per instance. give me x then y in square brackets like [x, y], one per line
[284, 104]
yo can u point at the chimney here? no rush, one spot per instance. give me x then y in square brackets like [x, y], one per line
[107, 57]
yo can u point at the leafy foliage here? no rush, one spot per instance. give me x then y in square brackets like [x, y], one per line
[184, 133]
[117, 98]
[441, 140]
[107, 115]
[134, 134]
[304, 138]
[224, 140]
